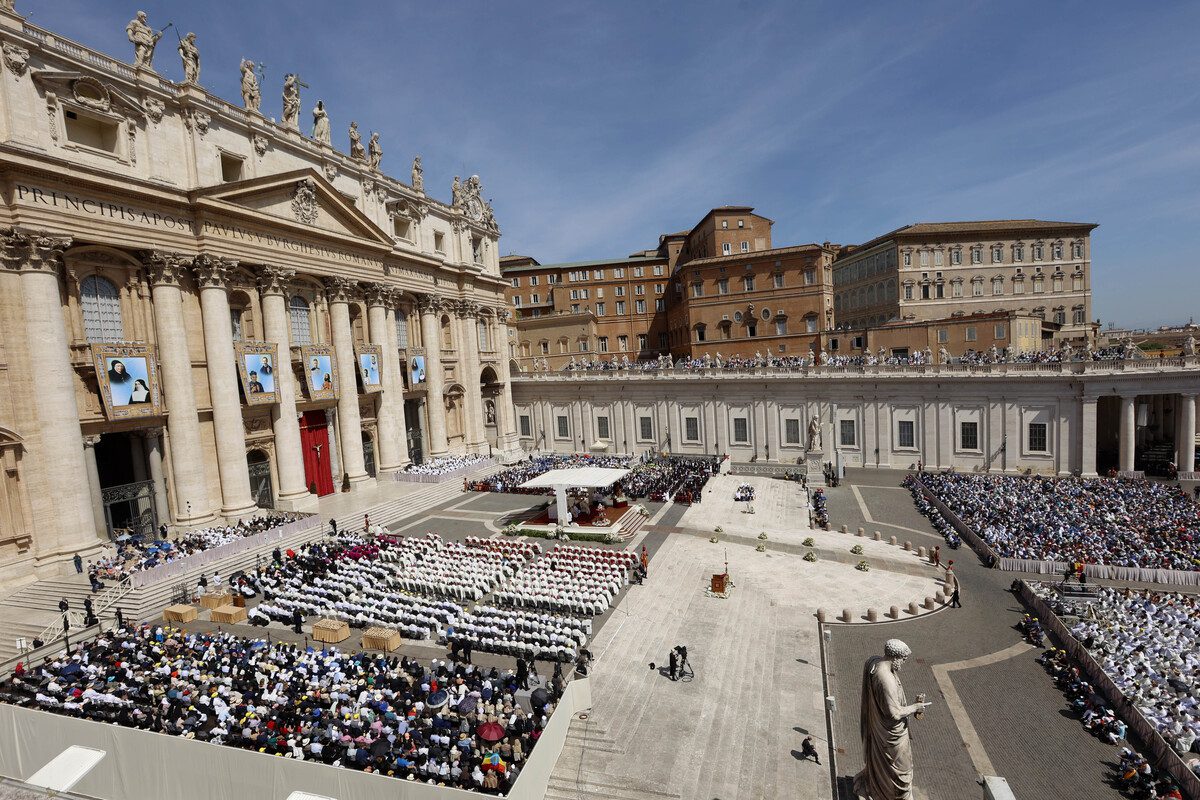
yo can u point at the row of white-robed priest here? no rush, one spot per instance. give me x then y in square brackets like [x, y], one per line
[127, 374]
[562, 481]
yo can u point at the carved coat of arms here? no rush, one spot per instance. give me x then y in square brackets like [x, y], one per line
[304, 202]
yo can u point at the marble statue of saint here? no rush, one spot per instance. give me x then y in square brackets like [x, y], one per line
[812, 357]
[457, 195]
[993, 354]
[418, 175]
[1087, 349]
[882, 353]
[1067, 351]
[291, 101]
[357, 151]
[824, 357]
[191, 58]
[887, 772]
[144, 39]
[814, 434]
[943, 355]
[374, 151]
[490, 412]
[320, 130]
[1189, 346]
[251, 96]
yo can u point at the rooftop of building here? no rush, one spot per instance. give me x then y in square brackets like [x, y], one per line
[977, 226]
[738, 257]
[633, 260]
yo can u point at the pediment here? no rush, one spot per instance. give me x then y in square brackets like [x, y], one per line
[88, 91]
[302, 197]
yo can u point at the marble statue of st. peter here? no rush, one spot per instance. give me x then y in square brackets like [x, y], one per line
[887, 772]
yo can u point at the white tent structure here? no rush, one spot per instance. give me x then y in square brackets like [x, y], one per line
[562, 480]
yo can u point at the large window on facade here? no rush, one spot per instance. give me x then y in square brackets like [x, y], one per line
[485, 341]
[791, 431]
[968, 435]
[906, 433]
[691, 429]
[602, 431]
[401, 331]
[1038, 442]
[298, 312]
[526, 426]
[645, 428]
[564, 430]
[101, 310]
[741, 430]
[846, 433]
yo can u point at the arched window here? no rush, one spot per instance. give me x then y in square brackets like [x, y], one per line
[485, 340]
[401, 331]
[298, 310]
[101, 310]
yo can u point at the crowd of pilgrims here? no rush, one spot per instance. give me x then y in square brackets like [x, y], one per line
[917, 358]
[447, 723]
[655, 478]
[135, 555]
[445, 464]
[744, 493]
[1118, 522]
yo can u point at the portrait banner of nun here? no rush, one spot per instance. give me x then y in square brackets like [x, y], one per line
[369, 358]
[256, 364]
[320, 372]
[127, 378]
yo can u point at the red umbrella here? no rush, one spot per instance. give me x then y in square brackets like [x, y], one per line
[490, 731]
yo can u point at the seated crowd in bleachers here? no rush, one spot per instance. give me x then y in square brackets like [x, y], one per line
[445, 464]
[392, 716]
[657, 479]
[134, 555]
[1127, 523]
[510, 479]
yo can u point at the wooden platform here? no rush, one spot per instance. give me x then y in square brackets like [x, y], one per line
[229, 614]
[331, 631]
[384, 639]
[211, 601]
[180, 613]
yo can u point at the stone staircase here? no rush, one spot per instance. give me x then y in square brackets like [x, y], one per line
[630, 524]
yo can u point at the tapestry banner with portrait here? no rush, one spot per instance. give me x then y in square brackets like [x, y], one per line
[369, 357]
[256, 364]
[320, 372]
[416, 368]
[128, 379]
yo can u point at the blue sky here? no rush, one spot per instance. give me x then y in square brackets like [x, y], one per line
[596, 127]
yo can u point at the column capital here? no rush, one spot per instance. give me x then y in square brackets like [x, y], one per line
[212, 271]
[429, 303]
[379, 294]
[275, 280]
[465, 308]
[502, 315]
[339, 289]
[32, 251]
[166, 268]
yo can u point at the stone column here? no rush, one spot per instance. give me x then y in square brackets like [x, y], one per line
[1186, 455]
[391, 357]
[152, 445]
[192, 501]
[211, 276]
[431, 336]
[505, 415]
[339, 291]
[1087, 436]
[389, 419]
[63, 513]
[1128, 431]
[467, 314]
[93, 475]
[292, 493]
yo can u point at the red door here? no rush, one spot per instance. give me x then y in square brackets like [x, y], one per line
[314, 441]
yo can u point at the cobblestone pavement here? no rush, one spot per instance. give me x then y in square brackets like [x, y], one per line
[1019, 717]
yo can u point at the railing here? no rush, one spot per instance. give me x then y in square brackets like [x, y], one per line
[78, 51]
[77, 620]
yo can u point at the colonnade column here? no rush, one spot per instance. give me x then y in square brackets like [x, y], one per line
[273, 285]
[389, 420]
[1186, 456]
[1087, 436]
[468, 315]
[192, 501]
[508, 433]
[93, 475]
[338, 292]
[211, 276]
[152, 446]
[391, 357]
[63, 514]
[429, 306]
[1128, 431]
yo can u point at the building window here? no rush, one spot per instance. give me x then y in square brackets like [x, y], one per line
[977, 288]
[516, 283]
[600, 311]
[1056, 251]
[778, 280]
[533, 280]
[1018, 252]
[1077, 316]
[846, 433]
[741, 430]
[660, 304]
[908, 291]
[646, 429]
[95, 132]
[298, 311]
[235, 322]
[997, 285]
[937, 258]
[907, 259]
[526, 427]
[621, 307]
[697, 289]
[726, 249]
[598, 274]
[1039, 284]
[658, 269]
[972, 334]
[641, 341]
[976, 255]
[402, 229]
[997, 254]
[564, 430]
[748, 283]
[602, 431]
[956, 256]
[691, 429]
[1077, 282]
[752, 330]
[956, 289]
[1057, 283]
[401, 331]
[723, 286]
[1039, 252]
[639, 306]
[943, 335]
[602, 343]
[1037, 437]
[700, 333]
[1000, 332]
[906, 433]
[791, 431]
[439, 242]
[781, 327]
[1060, 316]
[662, 340]
[968, 436]
[544, 346]
[745, 247]
[658, 288]
[810, 324]
[101, 310]
[1076, 249]
[534, 299]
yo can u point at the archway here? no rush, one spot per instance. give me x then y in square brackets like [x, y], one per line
[258, 464]
[368, 446]
[490, 390]
[126, 490]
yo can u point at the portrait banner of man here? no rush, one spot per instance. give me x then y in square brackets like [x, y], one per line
[256, 365]
[416, 368]
[320, 372]
[369, 357]
[127, 377]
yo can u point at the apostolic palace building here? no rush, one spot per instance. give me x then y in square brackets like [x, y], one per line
[204, 310]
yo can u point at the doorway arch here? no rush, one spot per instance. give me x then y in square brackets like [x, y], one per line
[258, 465]
[368, 446]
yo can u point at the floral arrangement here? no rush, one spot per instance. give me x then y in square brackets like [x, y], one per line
[809, 542]
[763, 535]
[863, 566]
[718, 529]
[762, 548]
[857, 550]
[810, 557]
[601, 520]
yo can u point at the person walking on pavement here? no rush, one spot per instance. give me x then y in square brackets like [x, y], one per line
[674, 665]
[645, 561]
[954, 602]
[809, 750]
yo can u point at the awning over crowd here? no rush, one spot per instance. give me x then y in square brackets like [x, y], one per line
[560, 480]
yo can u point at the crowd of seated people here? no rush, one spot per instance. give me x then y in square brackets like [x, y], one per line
[510, 480]
[1127, 523]
[820, 509]
[135, 555]
[445, 464]
[391, 716]
[668, 478]
[1146, 642]
[522, 634]
[570, 579]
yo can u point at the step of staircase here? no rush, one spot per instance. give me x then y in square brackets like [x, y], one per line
[630, 524]
[586, 785]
